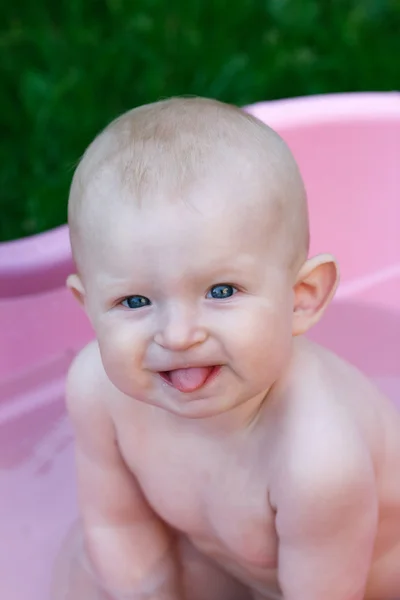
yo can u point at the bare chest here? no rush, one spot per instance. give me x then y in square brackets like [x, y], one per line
[215, 494]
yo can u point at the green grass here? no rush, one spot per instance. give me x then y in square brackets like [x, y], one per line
[68, 67]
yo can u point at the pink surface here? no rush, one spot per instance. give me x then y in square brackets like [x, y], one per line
[348, 147]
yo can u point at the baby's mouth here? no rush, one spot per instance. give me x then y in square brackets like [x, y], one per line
[189, 379]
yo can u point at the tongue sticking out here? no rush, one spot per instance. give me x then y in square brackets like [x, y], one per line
[191, 379]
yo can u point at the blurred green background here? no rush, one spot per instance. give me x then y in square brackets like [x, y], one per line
[69, 66]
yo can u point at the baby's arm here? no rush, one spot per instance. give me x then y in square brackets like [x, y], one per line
[326, 521]
[128, 548]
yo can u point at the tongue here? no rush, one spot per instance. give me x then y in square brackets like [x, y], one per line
[188, 380]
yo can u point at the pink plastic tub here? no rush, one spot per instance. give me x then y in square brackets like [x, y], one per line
[348, 147]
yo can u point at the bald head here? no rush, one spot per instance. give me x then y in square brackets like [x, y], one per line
[160, 151]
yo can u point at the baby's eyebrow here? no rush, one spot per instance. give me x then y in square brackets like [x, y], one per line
[225, 271]
[108, 283]
[236, 266]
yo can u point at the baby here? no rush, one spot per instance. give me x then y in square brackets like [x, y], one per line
[220, 455]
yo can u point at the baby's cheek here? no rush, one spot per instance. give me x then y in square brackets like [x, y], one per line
[269, 339]
[118, 348]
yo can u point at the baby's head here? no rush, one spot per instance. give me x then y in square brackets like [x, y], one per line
[189, 228]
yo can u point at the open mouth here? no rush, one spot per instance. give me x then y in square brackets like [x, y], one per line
[190, 379]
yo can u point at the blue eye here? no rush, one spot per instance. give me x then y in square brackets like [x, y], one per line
[221, 291]
[135, 302]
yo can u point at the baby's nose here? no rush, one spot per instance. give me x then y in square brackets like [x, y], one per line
[180, 330]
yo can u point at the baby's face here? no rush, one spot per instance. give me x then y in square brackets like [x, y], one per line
[190, 302]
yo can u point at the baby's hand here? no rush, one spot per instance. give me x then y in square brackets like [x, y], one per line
[74, 578]
[71, 577]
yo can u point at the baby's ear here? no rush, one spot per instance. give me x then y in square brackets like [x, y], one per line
[315, 286]
[74, 283]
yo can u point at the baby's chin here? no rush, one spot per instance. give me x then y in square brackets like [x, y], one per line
[197, 408]
[200, 406]
[218, 409]
[216, 398]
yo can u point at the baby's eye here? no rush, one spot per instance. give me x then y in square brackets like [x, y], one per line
[221, 291]
[135, 302]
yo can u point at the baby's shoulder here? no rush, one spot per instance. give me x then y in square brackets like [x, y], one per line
[321, 438]
[318, 399]
[335, 418]
[321, 376]
[87, 384]
[91, 397]
[86, 371]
